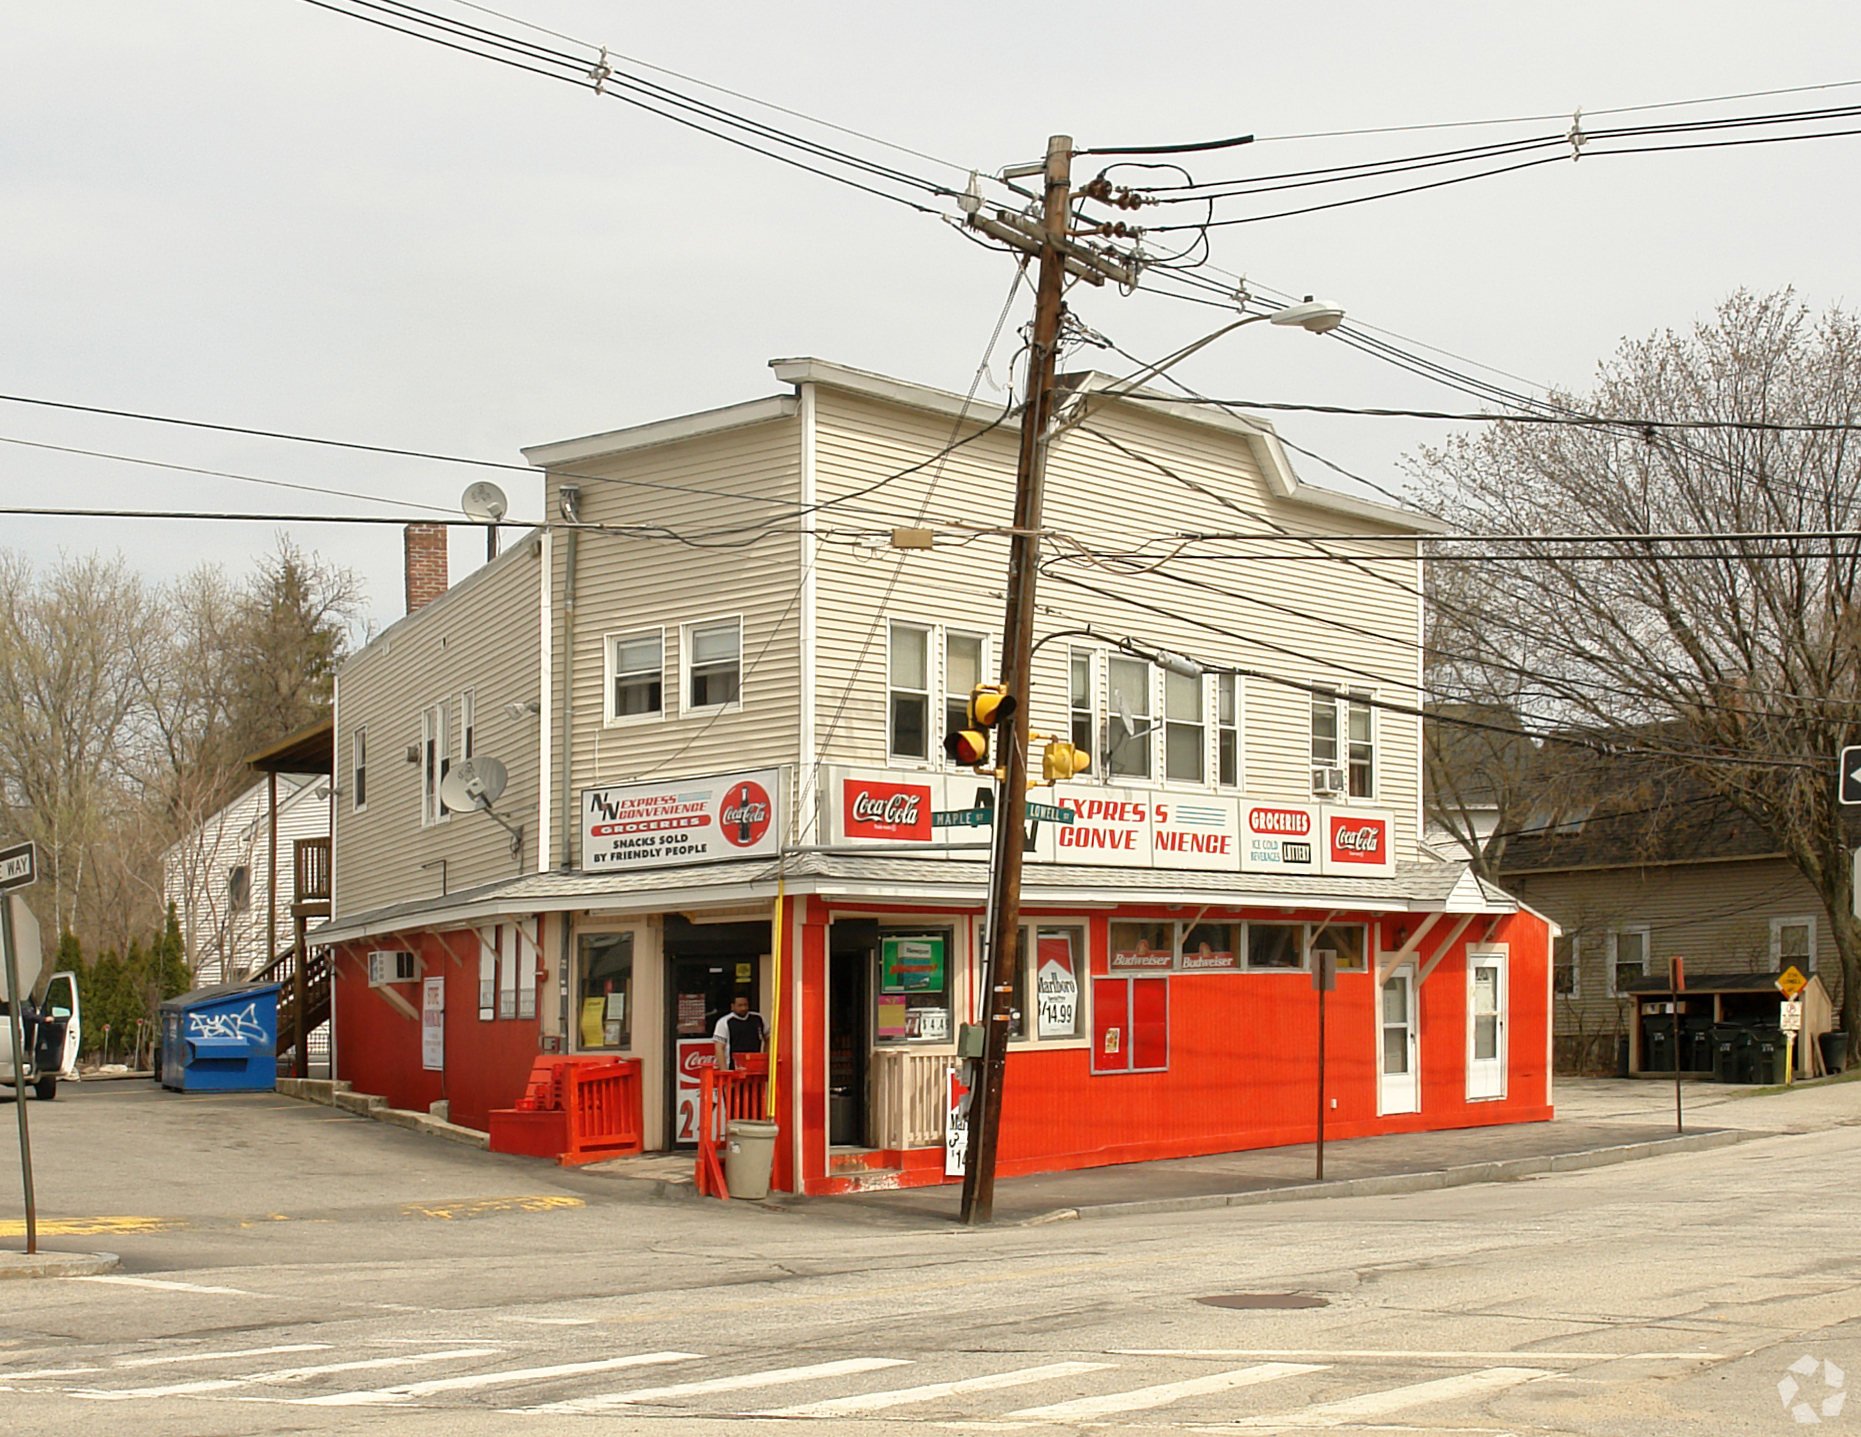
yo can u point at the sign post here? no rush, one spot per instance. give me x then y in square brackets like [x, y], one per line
[19, 865]
[1791, 984]
[1677, 984]
[1325, 980]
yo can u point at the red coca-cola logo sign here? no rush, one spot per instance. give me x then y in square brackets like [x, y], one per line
[696, 1057]
[887, 810]
[746, 814]
[1286, 822]
[1359, 840]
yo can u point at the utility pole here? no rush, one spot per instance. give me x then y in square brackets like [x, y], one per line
[1017, 659]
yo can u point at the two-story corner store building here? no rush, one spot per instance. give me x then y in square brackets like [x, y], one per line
[718, 685]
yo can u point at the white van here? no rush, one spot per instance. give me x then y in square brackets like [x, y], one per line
[53, 1031]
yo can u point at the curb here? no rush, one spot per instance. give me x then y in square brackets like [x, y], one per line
[1500, 1170]
[57, 1264]
[368, 1105]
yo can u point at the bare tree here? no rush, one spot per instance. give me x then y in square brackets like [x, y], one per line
[1690, 633]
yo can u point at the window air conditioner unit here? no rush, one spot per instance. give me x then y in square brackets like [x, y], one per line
[1330, 782]
[390, 966]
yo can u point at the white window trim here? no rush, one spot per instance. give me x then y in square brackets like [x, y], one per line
[358, 770]
[1502, 953]
[1205, 719]
[1793, 920]
[685, 666]
[1305, 945]
[933, 717]
[1343, 694]
[941, 663]
[435, 729]
[1647, 960]
[610, 643]
[1240, 735]
[1105, 717]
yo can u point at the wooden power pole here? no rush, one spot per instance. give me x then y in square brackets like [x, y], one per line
[1017, 658]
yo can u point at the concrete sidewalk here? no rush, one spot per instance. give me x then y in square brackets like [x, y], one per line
[1599, 1122]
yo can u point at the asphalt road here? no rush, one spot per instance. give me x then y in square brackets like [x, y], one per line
[288, 1268]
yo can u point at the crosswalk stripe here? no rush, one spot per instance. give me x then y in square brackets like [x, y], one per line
[489, 1379]
[161, 1284]
[1142, 1398]
[165, 1359]
[288, 1374]
[769, 1378]
[1391, 1399]
[930, 1392]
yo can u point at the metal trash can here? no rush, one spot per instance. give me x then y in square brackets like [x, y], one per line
[1700, 1050]
[1657, 1047]
[842, 1118]
[1834, 1051]
[749, 1154]
[221, 1039]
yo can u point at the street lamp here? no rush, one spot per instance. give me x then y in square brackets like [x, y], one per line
[1315, 316]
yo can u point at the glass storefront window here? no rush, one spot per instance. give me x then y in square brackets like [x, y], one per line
[605, 988]
[1346, 940]
[912, 1001]
[1275, 945]
[1052, 1005]
[1137, 947]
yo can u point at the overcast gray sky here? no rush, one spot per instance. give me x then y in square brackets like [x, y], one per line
[262, 213]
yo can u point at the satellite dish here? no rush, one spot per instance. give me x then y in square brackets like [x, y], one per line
[1124, 715]
[485, 502]
[473, 783]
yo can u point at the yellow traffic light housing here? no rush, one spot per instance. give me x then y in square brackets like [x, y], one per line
[989, 705]
[1060, 760]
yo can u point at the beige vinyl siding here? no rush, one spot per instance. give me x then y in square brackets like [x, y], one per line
[482, 635]
[1715, 915]
[729, 485]
[1109, 502]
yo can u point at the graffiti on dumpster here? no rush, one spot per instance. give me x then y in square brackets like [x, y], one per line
[242, 1025]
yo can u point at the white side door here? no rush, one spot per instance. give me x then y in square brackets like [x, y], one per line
[1486, 1025]
[1398, 1051]
[61, 1001]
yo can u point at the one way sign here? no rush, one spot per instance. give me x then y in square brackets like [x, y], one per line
[1850, 791]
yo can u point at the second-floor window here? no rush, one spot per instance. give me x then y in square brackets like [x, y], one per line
[1185, 731]
[1127, 725]
[714, 664]
[1081, 706]
[468, 723]
[358, 770]
[1628, 957]
[1344, 742]
[636, 675]
[435, 762]
[908, 692]
[239, 887]
[1228, 730]
[962, 671]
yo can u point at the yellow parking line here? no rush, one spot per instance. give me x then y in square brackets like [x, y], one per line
[93, 1226]
[481, 1207]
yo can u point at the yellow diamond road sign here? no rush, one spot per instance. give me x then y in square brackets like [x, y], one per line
[1790, 982]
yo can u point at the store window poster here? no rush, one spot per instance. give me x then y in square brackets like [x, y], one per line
[911, 965]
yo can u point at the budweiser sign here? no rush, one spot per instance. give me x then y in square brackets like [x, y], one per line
[887, 810]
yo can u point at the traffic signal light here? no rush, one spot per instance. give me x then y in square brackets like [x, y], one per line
[989, 705]
[1060, 760]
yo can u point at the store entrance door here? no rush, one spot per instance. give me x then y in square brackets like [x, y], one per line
[707, 965]
[851, 951]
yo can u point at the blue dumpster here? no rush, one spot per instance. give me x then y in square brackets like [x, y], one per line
[221, 1039]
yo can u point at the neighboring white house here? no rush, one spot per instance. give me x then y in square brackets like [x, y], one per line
[218, 876]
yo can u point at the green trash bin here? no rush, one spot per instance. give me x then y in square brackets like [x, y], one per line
[1770, 1056]
[1726, 1052]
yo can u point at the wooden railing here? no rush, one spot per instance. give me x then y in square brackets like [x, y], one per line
[910, 1098]
[311, 870]
[726, 1095]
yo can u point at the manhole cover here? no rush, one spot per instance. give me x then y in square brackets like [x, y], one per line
[1264, 1300]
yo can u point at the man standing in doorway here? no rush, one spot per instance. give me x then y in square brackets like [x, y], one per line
[739, 1031]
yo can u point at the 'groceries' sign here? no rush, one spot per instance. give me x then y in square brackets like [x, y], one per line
[696, 820]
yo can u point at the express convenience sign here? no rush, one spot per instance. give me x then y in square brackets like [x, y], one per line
[633, 826]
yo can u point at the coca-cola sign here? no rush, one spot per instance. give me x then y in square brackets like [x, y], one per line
[1357, 839]
[746, 813]
[887, 810]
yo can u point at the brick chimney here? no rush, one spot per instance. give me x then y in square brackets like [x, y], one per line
[425, 546]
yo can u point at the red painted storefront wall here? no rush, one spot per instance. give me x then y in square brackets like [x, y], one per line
[378, 1046]
[1242, 1065]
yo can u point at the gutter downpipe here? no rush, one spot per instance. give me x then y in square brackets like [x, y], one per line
[568, 750]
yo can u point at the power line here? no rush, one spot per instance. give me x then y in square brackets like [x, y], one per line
[1575, 420]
